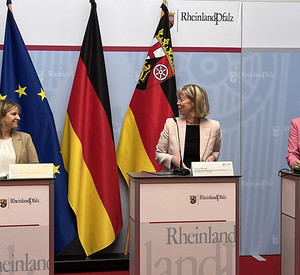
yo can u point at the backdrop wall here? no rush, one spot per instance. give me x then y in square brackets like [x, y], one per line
[247, 59]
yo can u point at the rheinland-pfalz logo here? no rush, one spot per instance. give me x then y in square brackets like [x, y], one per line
[216, 197]
[3, 203]
[193, 199]
[201, 197]
[24, 200]
[216, 17]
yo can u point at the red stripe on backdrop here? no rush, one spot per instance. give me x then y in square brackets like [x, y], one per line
[53, 48]
[96, 154]
[207, 49]
[98, 273]
[150, 108]
[131, 49]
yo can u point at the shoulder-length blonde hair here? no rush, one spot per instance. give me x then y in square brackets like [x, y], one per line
[6, 106]
[198, 96]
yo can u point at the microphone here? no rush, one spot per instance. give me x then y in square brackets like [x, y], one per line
[180, 171]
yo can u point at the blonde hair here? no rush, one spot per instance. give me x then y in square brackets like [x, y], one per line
[198, 96]
[6, 106]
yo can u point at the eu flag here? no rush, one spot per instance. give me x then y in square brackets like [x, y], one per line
[20, 83]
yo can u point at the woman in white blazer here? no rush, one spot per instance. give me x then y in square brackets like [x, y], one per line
[199, 137]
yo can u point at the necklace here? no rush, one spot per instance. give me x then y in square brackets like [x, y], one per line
[193, 122]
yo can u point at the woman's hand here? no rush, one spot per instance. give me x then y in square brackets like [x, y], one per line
[296, 164]
[211, 158]
[176, 161]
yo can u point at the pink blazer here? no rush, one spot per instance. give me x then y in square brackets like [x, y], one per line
[293, 142]
[168, 146]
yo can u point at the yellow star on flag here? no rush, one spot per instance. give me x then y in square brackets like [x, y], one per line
[21, 91]
[55, 169]
[2, 97]
[42, 94]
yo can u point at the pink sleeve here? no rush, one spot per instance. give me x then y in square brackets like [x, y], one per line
[293, 143]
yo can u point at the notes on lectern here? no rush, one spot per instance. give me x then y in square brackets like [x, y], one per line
[214, 168]
[36, 170]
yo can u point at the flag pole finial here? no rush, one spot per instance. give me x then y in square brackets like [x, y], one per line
[163, 11]
[9, 5]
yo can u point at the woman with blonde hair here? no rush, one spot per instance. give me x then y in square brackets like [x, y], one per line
[199, 138]
[15, 146]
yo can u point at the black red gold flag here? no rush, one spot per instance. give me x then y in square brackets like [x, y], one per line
[88, 148]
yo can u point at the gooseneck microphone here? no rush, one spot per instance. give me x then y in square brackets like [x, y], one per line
[180, 171]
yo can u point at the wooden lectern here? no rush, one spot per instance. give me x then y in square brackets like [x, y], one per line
[26, 226]
[290, 224]
[183, 224]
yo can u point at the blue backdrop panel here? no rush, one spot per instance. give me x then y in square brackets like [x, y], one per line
[219, 74]
[270, 98]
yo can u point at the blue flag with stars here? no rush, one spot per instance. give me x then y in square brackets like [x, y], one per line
[20, 83]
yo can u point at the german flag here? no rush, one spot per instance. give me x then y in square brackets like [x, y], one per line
[88, 148]
[153, 101]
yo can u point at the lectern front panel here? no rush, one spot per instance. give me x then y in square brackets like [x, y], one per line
[186, 227]
[25, 229]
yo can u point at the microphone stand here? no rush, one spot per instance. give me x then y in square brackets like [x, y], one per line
[180, 171]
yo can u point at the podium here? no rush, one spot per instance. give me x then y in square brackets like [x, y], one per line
[290, 224]
[183, 224]
[26, 226]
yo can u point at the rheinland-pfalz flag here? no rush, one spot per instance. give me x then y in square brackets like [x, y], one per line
[20, 83]
[153, 101]
[88, 148]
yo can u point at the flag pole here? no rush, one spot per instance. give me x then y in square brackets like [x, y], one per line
[162, 12]
[9, 4]
[127, 242]
[10, 7]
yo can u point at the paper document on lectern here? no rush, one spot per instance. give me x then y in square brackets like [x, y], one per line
[214, 168]
[29, 171]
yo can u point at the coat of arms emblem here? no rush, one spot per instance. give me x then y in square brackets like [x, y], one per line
[193, 199]
[3, 203]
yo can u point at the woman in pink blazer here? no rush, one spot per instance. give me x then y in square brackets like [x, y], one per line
[293, 155]
[199, 137]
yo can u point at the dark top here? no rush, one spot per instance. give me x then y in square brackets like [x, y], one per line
[192, 145]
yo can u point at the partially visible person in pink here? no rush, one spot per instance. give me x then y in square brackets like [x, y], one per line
[293, 155]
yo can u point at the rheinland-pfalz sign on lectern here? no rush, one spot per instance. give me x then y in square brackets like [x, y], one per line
[183, 225]
[26, 226]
